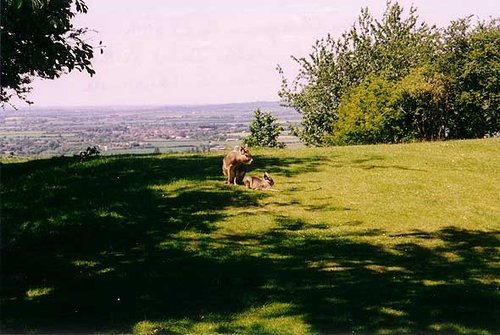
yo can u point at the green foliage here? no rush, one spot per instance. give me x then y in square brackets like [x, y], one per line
[423, 102]
[470, 62]
[393, 46]
[39, 40]
[264, 131]
[369, 114]
[384, 111]
[447, 81]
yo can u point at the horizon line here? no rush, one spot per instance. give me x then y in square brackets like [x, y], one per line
[34, 106]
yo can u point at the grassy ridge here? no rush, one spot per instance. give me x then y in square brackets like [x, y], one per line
[370, 239]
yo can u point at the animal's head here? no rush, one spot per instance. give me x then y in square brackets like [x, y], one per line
[268, 178]
[245, 156]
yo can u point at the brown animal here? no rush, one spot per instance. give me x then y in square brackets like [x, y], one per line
[257, 183]
[234, 164]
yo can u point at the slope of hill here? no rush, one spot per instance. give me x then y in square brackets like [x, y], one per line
[366, 239]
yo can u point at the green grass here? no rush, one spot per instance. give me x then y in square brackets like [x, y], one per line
[386, 239]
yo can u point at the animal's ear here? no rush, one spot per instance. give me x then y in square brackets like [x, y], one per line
[266, 175]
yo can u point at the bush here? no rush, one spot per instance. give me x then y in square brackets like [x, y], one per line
[264, 131]
[369, 113]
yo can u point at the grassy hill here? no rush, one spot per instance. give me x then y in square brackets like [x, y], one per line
[366, 239]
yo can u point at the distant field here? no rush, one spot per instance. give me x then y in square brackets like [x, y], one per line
[42, 132]
[383, 239]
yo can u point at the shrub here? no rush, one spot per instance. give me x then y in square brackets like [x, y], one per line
[264, 131]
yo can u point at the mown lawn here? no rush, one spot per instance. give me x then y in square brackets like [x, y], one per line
[368, 239]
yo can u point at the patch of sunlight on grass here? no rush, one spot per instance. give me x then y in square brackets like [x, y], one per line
[392, 312]
[147, 328]
[274, 318]
[183, 326]
[452, 257]
[92, 267]
[85, 264]
[456, 329]
[259, 222]
[172, 188]
[488, 280]
[208, 327]
[109, 214]
[105, 271]
[38, 292]
[428, 282]
[391, 331]
[337, 269]
[328, 266]
[385, 269]
[157, 188]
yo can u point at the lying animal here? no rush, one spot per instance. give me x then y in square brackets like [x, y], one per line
[234, 164]
[257, 183]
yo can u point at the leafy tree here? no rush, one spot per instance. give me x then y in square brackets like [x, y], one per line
[264, 131]
[423, 102]
[387, 111]
[391, 46]
[470, 61]
[38, 39]
[369, 114]
[395, 79]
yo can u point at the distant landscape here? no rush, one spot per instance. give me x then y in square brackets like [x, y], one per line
[46, 132]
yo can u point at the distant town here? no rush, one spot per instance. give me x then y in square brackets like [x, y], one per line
[45, 132]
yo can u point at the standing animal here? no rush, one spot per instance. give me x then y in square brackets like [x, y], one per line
[257, 183]
[234, 164]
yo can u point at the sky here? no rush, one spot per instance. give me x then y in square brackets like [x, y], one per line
[169, 52]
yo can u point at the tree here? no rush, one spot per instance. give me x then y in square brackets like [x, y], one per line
[369, 114]
[395, 79]
[469, 59]
[387, 111]
[393, 46]
[38, 39]
[264, 131]
[423, 101]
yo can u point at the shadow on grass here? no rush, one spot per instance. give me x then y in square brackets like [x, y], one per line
[290, 166]
[93, 247]
[345, 286]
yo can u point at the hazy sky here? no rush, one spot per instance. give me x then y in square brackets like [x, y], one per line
[212, 51]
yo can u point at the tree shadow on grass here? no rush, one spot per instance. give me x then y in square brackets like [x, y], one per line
[290, 166]
[344, 285]
[94, 247]
[76, 234]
